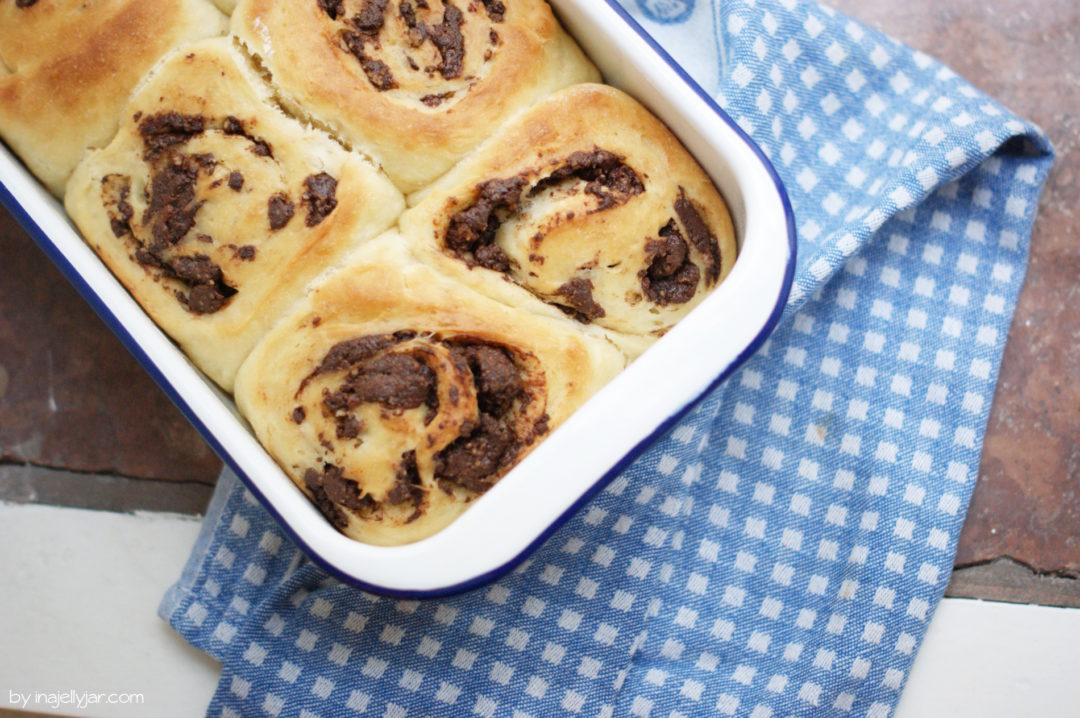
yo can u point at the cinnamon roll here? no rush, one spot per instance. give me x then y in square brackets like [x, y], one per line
[416, 83]
[72, 65]
[215, 209]
[394, 397]
[588, 203]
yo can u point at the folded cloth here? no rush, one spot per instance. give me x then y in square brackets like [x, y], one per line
[781, 551]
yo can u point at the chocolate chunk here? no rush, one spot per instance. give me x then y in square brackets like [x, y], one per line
[115, 190]
[348, 427]
[378, 74]
[236, 180]
[471, 231]
[208, 291]
[495, 9]
[407, 484]
[319, 196]
[436, 100]
[377, 71]
[23, 4]
[408, 14]
[246, 253]
[704, 241]
[197, 269]
[259, 146]
[233, 126]
[298, 415]
[203, 299]
[279, 208]
[670, 278]
[497, 379]
[332, 490]
[333, 8]
[396, 381]
[578, 295]
[449, 42]
[371, 17]
[168, 129]
[473, 461]
[606, 175]
[354, 351]
[313, 482]
[172, 207]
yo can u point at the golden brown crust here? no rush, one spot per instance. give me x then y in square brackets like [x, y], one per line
[215, 209]
[386, 468]
[587, 202]
[510, 60]
[74, 64]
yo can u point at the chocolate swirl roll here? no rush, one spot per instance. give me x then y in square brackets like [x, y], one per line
[71, 65]
[215, 209]
[416, 83]
[394, 397]
[587, 203]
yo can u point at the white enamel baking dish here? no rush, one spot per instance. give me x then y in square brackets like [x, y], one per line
[598, 441]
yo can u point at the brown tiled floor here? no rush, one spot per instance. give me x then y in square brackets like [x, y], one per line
[73, 402]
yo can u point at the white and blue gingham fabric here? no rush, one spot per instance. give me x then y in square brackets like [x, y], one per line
[781, 551]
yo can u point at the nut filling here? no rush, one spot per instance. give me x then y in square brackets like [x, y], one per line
[471, 407]
[165, 237]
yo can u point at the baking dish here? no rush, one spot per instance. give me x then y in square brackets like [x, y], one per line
[597, 442]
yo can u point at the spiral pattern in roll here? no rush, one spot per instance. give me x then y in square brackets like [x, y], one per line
[414, 84]
[395, 397]
[215, 209]
[587, 203]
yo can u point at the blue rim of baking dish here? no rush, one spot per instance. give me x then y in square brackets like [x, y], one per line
[124, 335]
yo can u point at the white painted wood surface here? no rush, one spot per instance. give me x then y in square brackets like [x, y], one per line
[80, 590]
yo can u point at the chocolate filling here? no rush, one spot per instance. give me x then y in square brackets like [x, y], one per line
[331, 490]
[407, 484]
[436, 100]
[447, 39]
[319, 196]
[495, 9]
[606, 177]
[259, 146]
[470, 233]
[165, 130]
[396, 380]
[703, 240]
[579, 300]
[377, 71]
[279, 210]
[117, 188]
[670, 278]
[333, 8]
[477, 458]
[346, 354]
[171, 211]
[370, 18]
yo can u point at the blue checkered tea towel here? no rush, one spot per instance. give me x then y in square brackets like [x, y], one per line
[781, 551]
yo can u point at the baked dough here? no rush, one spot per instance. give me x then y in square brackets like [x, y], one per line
[394, 397]
[587, 202]
[216, 210]
[414, 84]
[72, 65]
